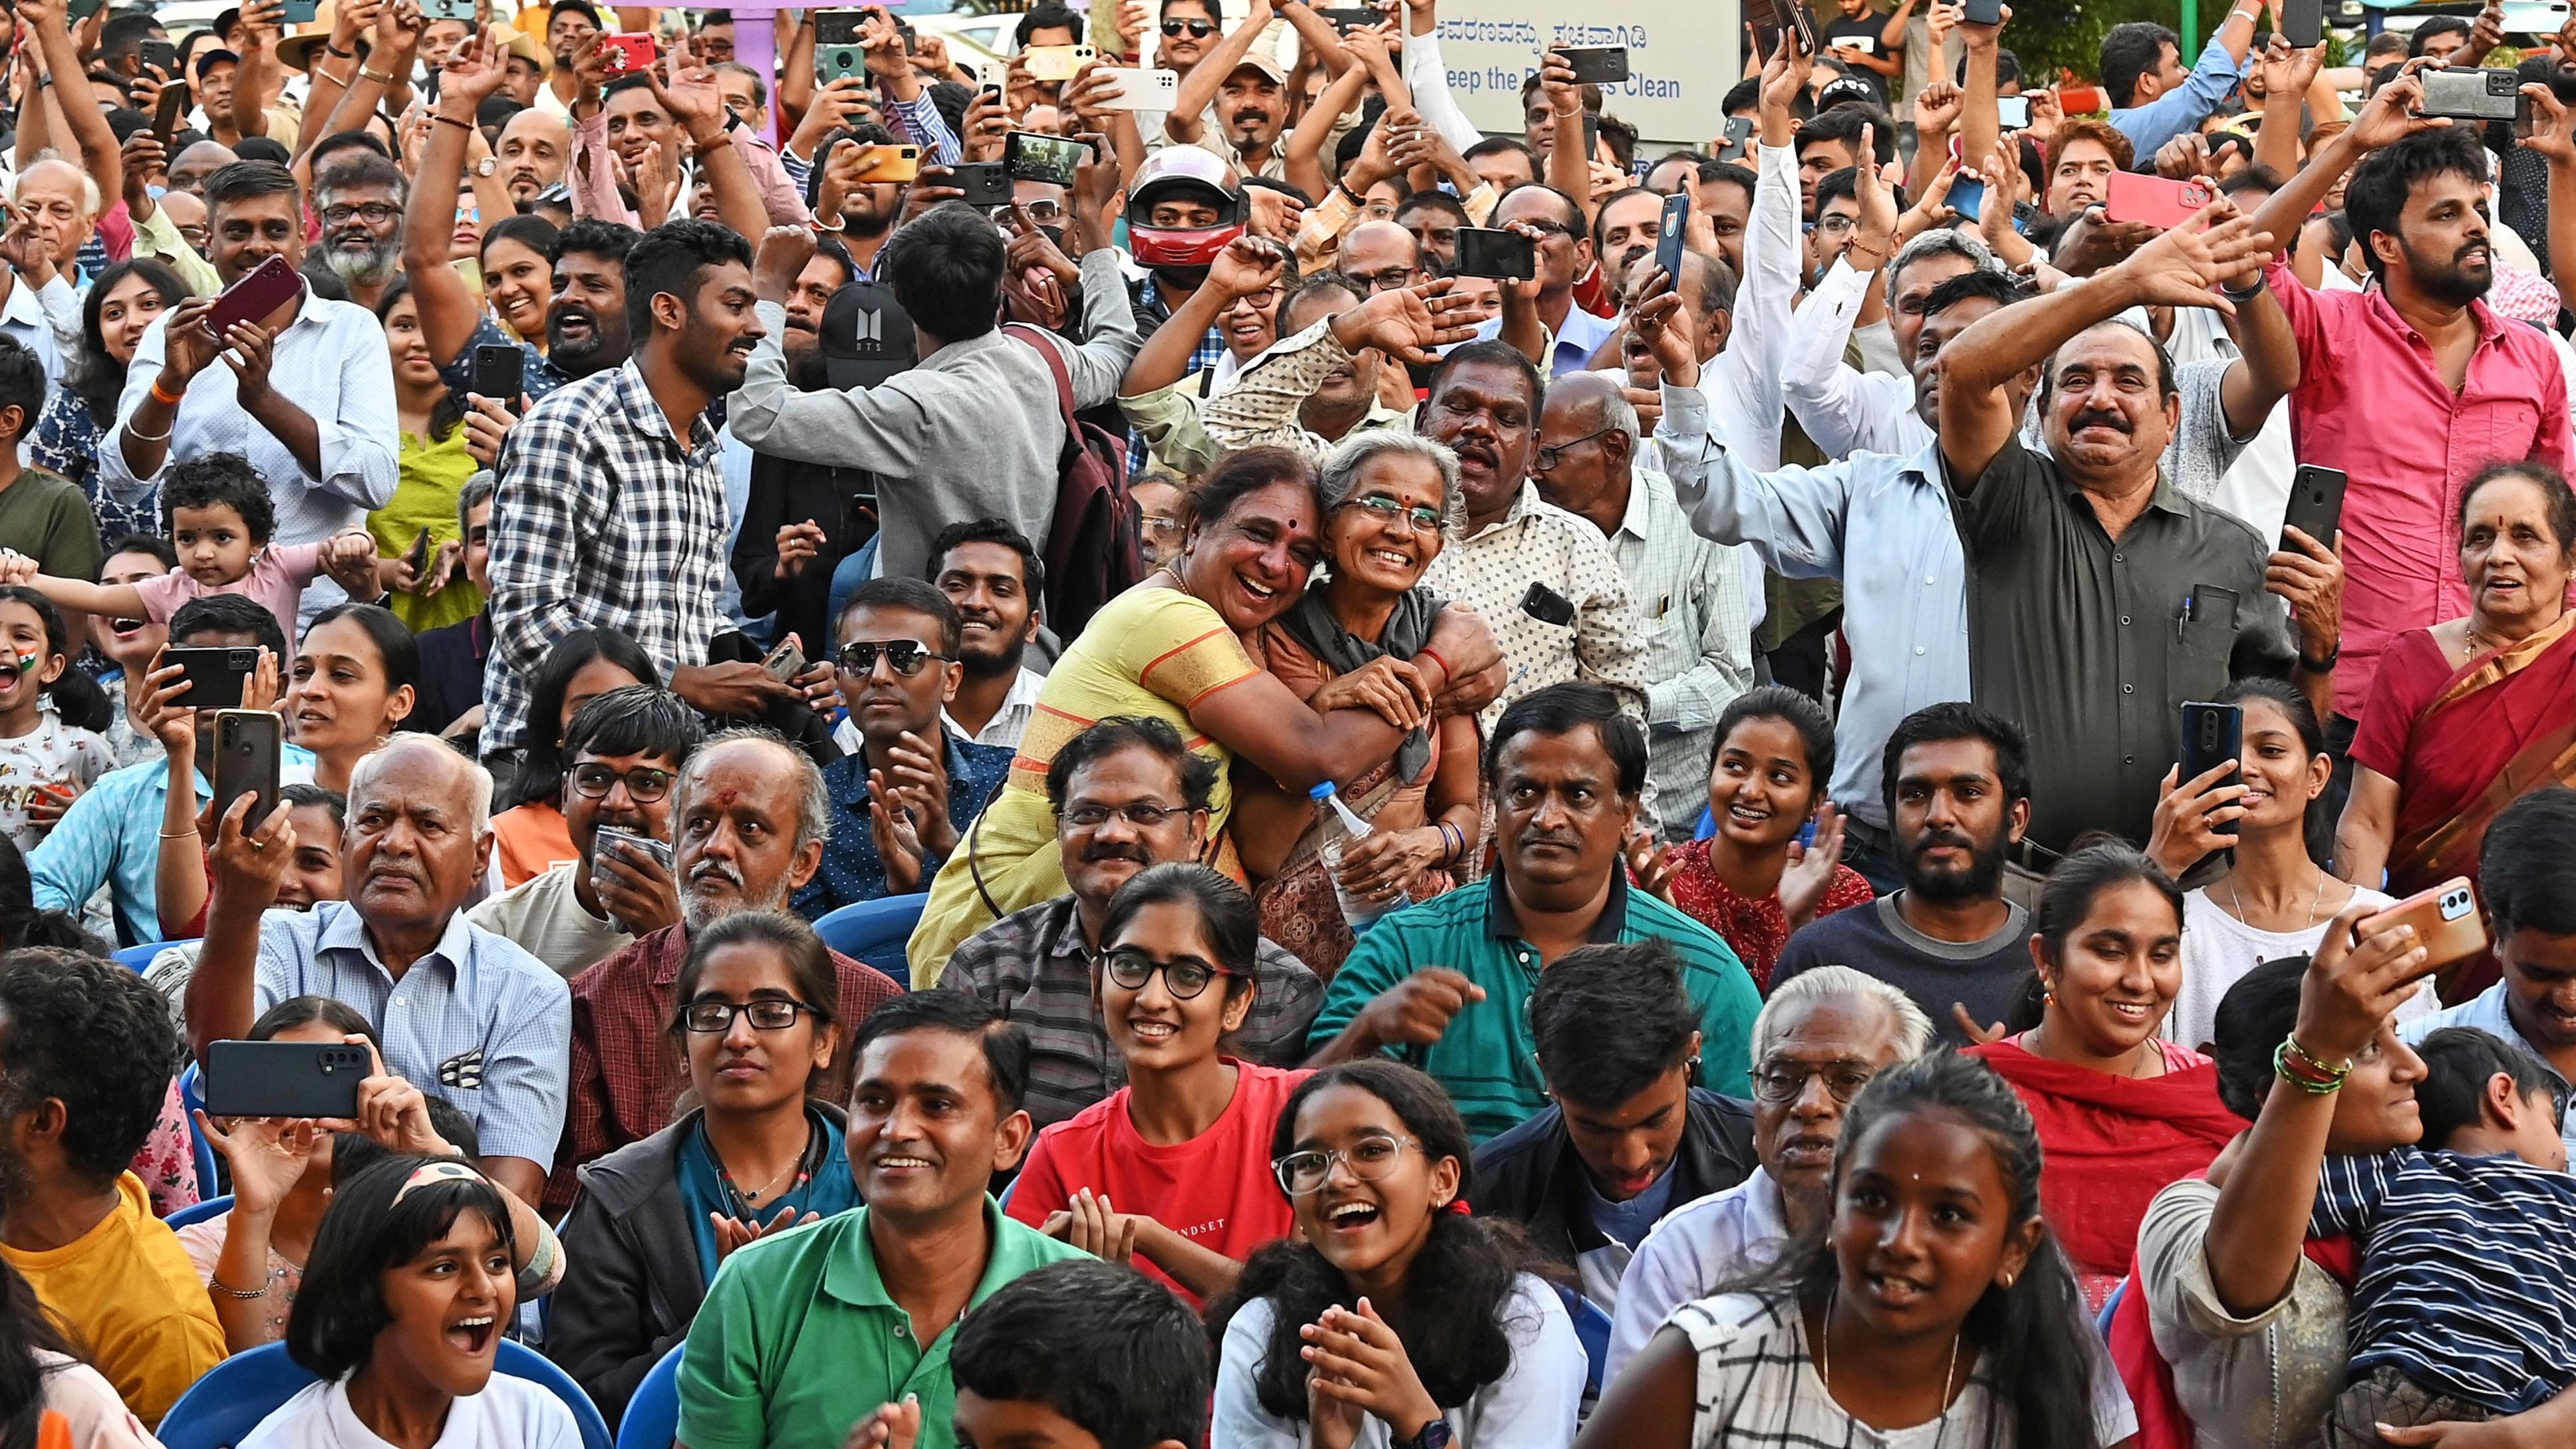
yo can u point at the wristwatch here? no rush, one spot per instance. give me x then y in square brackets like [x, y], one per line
[486, 166]
[1434, 1435]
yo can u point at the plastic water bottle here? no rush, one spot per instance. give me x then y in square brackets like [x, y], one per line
[1342, 826]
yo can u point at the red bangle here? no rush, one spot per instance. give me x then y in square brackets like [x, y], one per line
[166, 399]
[1446, 673]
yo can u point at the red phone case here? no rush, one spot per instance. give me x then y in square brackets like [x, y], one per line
[635, 51]
[2156, 200]
[270, 285]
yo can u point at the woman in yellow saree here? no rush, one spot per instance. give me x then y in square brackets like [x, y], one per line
[1172, 647]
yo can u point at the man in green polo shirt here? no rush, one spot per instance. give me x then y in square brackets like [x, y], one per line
[808, 1331]
[1444, 985]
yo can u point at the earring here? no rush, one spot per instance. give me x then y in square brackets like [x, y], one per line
[2008, 1281]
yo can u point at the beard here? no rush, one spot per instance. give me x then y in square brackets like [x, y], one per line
[1980, 878]
[698, 912]
[369, 266]
[2451, 283]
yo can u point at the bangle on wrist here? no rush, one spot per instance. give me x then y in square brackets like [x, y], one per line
[379, 77]
[2247, 294]
[458, 123]
[188, 834]
[1447, 674]
[164, 397]
[338, 51]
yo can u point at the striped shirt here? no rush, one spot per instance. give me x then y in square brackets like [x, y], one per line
[2464, 1286]
[1033, 967]
[1696, 618]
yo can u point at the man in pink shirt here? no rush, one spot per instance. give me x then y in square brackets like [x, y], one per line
[2412, 386]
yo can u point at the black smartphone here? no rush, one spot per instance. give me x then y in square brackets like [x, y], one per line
[500, 372]
[2303, 22]
[1982, 12]
[215, 676]
[159, 55]
[285, 1078]
[2212, 734]
[418, 554]
[167, 111]
[985, 183]
[1668, 235]
[2316, 505]
[1738, 139]
[1596, 65]
[1028, 156]
[1547, 606]
[1348, 19]
[248, 746]
[1500, 255]
[837, 27]
[1591, 137]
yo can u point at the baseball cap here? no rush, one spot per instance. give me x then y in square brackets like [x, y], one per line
[1266, 64]
[1844, 90]
[207, 58]
[867, 336]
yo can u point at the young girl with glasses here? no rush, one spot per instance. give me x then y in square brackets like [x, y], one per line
[1396, 1320]
[1171, 1169]
[757, 1155]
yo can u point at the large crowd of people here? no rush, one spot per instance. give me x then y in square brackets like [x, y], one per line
[1135, 744]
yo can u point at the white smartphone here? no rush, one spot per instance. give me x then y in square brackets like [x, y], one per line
[1144, 90]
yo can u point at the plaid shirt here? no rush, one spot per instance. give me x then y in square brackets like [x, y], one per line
[1696, 618]
[603, 519]
[627, 1073]
[1032, 966]
[1152, 311]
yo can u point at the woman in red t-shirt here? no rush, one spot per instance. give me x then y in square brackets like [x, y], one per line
[1174, 1167]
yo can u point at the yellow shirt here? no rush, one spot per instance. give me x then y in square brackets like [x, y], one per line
[432, 475]
[126, 1291]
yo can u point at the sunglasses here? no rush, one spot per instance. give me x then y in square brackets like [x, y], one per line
[1198, 29]
[906, 655]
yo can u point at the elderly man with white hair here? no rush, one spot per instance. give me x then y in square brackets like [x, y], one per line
[1818, 1041]
[465, 1014]
[39, 304]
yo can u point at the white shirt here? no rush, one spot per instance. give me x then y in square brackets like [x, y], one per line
[544, 913]
[2218, 950]
[330, 361]
[1532, 1406]
[1005, 727]
[1726, 1237]
[510, 1413]
[98, 1419]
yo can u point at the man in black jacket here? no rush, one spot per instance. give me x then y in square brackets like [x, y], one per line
[1628, 1138]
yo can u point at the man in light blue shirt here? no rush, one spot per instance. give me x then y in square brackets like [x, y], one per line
[2527, 882]
[462, 1013]
[2152, 99]
[111, 834]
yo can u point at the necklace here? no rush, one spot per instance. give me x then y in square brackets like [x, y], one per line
[803, 1166]
[2236, 907]
[1825, 1363]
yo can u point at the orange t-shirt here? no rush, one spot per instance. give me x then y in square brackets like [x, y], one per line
[528, 841]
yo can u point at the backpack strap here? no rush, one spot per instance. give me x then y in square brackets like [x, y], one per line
[1056, 366]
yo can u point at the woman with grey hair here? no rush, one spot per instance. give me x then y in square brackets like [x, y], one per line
[1391, 503]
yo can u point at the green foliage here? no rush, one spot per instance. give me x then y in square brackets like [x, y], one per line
[2055, 35]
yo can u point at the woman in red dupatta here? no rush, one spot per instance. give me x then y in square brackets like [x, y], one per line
[2121, 1112]
[2467, 715]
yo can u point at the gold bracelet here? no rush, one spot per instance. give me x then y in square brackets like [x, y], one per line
[379, 77]
[188, 834]
[341, 81]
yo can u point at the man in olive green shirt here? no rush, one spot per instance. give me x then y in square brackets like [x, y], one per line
[1445, 985]
[808, 1331]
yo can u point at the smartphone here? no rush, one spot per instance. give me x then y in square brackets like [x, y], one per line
[1967, 196]
[1346, 19]
[265, 288]
[837, 27]
[2472, 95]
[500, 372]
[167, 111]
[1596, 65]
[1548, 606]
[2445, 917]
[1028, 156]
[2316, 505]
[835, 62]
[1144, 90]
[1591, 136]
[1770, 17]
[881, 164]
[2303, 22]
[1982, 12]
[215, 676]
[248, 746]
[1491, 252]
[84, 9]
[2013, 112]
[159, 55]
[2156, 200]
[1738, 138]
[1669, 232]
[630, 53]
[2212, 734]
[466, 10]
[1056, 62]
[784, 662]
[418, 554]
[607, 835]
[2534, 17]
[984, 183]
[285, 1078]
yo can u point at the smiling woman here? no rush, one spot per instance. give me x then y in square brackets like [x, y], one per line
[406, 1296]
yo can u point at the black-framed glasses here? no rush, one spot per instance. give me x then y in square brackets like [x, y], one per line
[1422, 516]
[1389, 279]
[1142, 814]
[1185, 977]
[1776, 1081]
[906, 655]
[768, 1013]
[1199, 29]
[644, 784]
[1548, 458]
[373, 213]
[1369, 1159]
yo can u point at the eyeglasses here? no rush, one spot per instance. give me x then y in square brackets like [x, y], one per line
[1545, 227]
[1422, 516]
[1836, 225]
[1548, 458]
[1184, 978]
[906, 655]
[1139, 814]
[1369, 1159]
[1200, 29]
[1777, 1082]
[769, 1013]
[1043, 210]
[1162, 525]
[1389, 279]
[643, 783]
[373, 213]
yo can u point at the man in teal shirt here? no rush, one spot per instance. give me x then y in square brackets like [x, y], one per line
[1444, 985]
[806, 1332]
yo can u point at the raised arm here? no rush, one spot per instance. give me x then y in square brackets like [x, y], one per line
[449, 312]
[691, 98]
[1980, 123]
[373, 79]
[1306, 143]
[2388, 117]
[1569, 165]
[260, 22]
[2553, 135]
[81, 115]
[2287, 75]
[1245, 266]
[1186, 121]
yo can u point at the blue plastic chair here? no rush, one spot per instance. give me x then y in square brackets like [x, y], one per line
[192, 1095]
[653, 1416]
[876, 932]
[200, 1210]
[1592, 1326]
[224, 1406]
[2110, 1306]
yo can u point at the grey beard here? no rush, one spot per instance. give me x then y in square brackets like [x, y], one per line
[698, 913]
[369, 268]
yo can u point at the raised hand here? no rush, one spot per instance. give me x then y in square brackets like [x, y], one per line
[1358, 1359]
[2187, 812]
[1408, 323]
[474, 71]
[2182, 264]
[1810, 872]
[2311, 576]
[732, 1233]
[1652, 865]
[1245, 266]
[267, 1155]
[783, 253]
[2553, 132]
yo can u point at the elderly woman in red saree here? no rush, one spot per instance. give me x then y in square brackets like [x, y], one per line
[2467, 715]
[2121, 1111]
